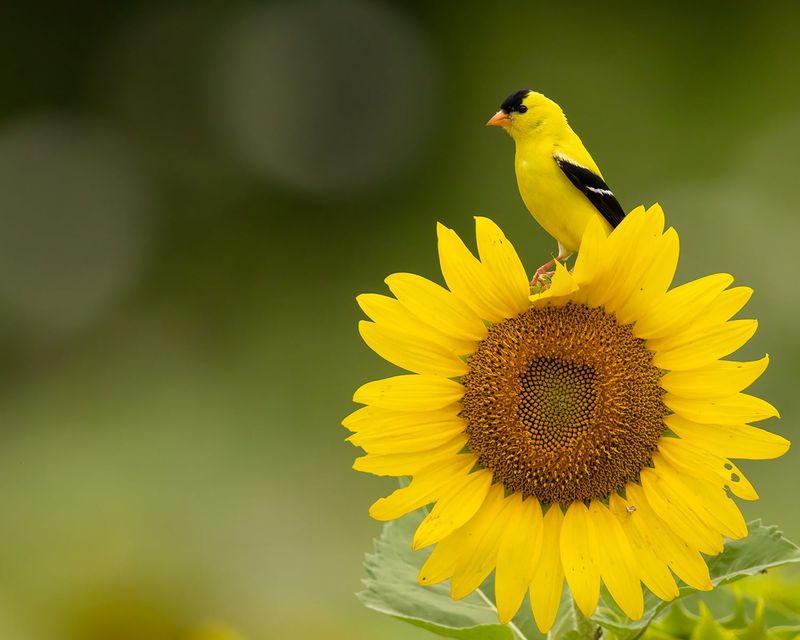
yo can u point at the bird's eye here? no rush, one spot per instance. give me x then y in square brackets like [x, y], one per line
[522, 109]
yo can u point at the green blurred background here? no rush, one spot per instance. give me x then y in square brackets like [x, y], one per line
[191, 196]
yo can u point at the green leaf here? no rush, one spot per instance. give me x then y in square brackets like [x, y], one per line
[391, 587]
[764, 548]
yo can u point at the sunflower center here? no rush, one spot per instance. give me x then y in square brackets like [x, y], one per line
[563, 403]
[557, 400]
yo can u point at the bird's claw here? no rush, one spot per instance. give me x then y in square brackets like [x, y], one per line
[545, 271]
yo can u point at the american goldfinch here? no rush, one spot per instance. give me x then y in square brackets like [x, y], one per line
[558, 180]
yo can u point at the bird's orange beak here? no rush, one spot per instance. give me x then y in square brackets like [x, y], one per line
[499, 119]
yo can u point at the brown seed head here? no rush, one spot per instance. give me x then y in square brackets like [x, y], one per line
[563, 403]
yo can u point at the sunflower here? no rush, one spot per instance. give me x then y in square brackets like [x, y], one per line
[582, 433]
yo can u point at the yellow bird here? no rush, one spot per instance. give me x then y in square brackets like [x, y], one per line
[558, 180]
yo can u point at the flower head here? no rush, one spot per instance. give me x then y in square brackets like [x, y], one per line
[581, 433]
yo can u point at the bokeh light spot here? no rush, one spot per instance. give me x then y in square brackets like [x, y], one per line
[73, 212]
[325, 97]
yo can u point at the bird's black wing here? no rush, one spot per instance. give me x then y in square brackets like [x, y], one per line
[593, 187]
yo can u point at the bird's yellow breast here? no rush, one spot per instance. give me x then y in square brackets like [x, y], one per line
[555, 203]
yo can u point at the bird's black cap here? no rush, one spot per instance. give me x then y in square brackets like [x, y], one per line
[514, 101]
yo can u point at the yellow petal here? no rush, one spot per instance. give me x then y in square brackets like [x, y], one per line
[415, 438]
[618, 248]
[653, 571]
[503, 264]
[578, 557]
[427, 485]
[717, 379]
[441, 564]
[460, 545]
[589, 265]
[655, 214]
[518, 555]
[436, 306]
[479, 557]
[678, 309]
[697, 348]
[408, 463]
[392, 314]
[627, 282]
[654, 282]
[548, 575]
[734, 409]
[410, 393]
[730, 440]
[615, 558]
[707, 500]
[375, 421]
[722, 309]
[722, 508]
[655, 533]
[700, 462]
[666, 494]
[727, 305]
[362, 417]
[468, 279]
[410, 352]
[737, 482]
[680, 487]
[453, 509]
[381, 431]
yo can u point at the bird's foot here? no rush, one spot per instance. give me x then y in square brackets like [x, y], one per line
[545, 271]
[544, 274]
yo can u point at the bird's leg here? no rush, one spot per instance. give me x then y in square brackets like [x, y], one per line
[542, 271]
[547, 268]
